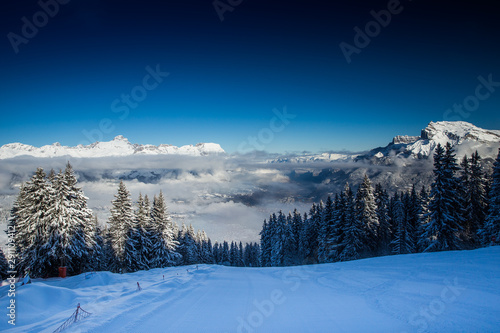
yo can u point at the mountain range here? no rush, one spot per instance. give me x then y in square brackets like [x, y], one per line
[119, 146]
[463, 136]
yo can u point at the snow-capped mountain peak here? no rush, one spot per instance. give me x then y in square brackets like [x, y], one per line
[119, 146]
[463, 136]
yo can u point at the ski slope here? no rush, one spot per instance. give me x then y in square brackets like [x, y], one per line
[435, 292]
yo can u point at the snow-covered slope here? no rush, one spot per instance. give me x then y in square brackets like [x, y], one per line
[119, 146]
[433, 292]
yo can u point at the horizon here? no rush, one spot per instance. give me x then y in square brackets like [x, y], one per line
[297, 76]
[122, 137]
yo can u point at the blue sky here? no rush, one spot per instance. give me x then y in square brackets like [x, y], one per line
[226, 77]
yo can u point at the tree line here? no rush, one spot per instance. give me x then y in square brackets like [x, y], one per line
[53, 227]
[460, 211]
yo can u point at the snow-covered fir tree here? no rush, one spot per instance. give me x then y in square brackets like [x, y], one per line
[384, 231]
[473, 196]
[336, 240]
[296, 228]
[225, 260]
[71, 234]
[403, 241]
[121, 225]
[187, 245]
[442, 231]
[366, 214]
[490, 233]
[326, 231]
[165, 246]
[29, 218]
[143, 235]
[354, 246]
[265, 244]
[280, 252]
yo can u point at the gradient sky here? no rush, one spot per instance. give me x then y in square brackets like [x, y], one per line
[226, 77]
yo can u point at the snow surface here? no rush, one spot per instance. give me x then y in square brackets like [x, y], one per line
[434, 292]
[119, 146]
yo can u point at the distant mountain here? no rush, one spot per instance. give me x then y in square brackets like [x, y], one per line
[119, 146]
[464, 137]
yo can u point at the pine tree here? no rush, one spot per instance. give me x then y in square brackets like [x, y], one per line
[97, 261]
[477, 206]
[121, 225]
[353, 231]
[491, 231]
[164, 243]
[442, 230]
[312, 229]
[423, 217]
[366, 214]
[336, 240]
[404, 240]
[265, 241]
[29, 219]
[143, 235]
[278, 237]
[384, 228]
[303, 241]
[296, 229]
[225, 260]
[71, 234]
[326, 230]
[187, 245]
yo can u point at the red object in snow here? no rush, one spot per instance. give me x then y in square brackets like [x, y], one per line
[62, 272]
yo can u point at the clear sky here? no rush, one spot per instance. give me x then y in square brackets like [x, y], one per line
[70, 77]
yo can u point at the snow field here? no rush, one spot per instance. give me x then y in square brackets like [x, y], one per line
[432, 292]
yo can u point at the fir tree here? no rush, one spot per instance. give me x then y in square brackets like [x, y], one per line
[384, 228]
[403, 241]
[477, 206]
[491, 231]
[265, 241]
[225, 260]
[121, 225]
[326, 230]
[29, 219]
[143, 235]
[337, 241]
[71, 234]
[366, 214]
[354, 246]
[296, 229]
[164, 243]
[279, 232]
[442, 230]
